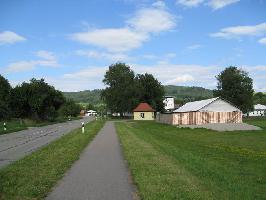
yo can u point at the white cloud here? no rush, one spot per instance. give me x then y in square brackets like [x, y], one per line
[166, 72]
[159, 4]
[136, 31]
[91, 77]
[180, 79]
[149, 56]
[262, 41]
[190, 3]
[194, 46]
[214, 4]
[152, 20]
[21, 66]
[176, 74]
[238, 31]
[47, 55]
[217, 4]
[48, 59]
[170, 55]
[88, 73]
[9, 37]
[114, 40]
[104, 55]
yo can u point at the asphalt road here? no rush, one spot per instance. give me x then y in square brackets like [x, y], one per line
[100, 173]
[14, 146]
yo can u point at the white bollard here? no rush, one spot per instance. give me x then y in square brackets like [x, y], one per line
[4, 126]
[83, 127]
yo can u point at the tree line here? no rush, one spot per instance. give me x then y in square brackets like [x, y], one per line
[125, 89]
[35, 100]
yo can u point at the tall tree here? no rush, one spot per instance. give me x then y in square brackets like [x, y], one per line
[236, 86]
[4, 97]
[120, 94]
[70, 108]
[150, 90]
[37, 100]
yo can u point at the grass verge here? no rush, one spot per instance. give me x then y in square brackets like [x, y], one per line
[12, 126]
[170, 163]
[34, 176]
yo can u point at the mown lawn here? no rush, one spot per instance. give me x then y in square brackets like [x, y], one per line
[173, 163]
[34, 176]
[261, 122]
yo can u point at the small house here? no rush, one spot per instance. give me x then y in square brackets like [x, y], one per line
[91, 113]
[214, 110]
[259, 111]
[143, 112]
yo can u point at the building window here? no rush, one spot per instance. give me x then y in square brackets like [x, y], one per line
[142, 115]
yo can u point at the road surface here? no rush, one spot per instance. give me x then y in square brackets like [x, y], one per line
[14, 146]
[100, 173]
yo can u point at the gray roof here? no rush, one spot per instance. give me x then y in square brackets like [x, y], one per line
[195, 105]
[259, 107]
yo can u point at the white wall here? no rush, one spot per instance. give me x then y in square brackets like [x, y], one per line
[256, 113]
[219, 106]
[169, 103]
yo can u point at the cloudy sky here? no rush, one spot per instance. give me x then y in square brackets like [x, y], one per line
[181, 42]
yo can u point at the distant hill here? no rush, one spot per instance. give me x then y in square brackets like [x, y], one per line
[86, 96]
[182, 93]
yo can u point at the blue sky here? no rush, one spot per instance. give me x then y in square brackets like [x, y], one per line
[181, 42]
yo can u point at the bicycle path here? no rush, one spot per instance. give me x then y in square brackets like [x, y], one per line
[100, 173]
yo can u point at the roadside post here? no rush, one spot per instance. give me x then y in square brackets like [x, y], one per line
[83, 127]
[4, 126]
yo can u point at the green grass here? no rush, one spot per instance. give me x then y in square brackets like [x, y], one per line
[257, 121]
[172, 163]
[34, 176]
[12, 126]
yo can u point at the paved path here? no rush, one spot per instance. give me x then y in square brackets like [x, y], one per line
[225, 127]
[99, 174]
[14, 146]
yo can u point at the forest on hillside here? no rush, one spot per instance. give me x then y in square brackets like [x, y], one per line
[181, 93]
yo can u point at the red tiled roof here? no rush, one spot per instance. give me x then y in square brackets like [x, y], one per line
[143, 107]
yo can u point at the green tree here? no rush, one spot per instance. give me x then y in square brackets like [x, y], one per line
[120, 94]
[90, 107]
[70, 108]
[260, 98]
[101, 109]
[19, 101]
[37, 100]
[5, 89]
[150, 90]
[236, 86]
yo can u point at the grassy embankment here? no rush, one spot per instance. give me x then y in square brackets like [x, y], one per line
[33, 176]
[18, 125]
[171, 163]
